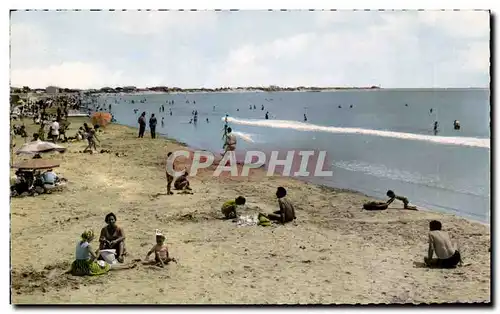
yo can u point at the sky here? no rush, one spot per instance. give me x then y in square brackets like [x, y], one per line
[392, 49]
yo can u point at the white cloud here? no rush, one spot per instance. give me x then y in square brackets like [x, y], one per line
[71, 75]
[186, 49]
[154, 22]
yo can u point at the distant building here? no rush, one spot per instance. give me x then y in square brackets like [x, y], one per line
[52, 90]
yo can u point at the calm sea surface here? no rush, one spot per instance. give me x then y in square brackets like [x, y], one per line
[449, 172]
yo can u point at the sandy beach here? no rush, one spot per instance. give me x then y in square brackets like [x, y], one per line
[334, 253]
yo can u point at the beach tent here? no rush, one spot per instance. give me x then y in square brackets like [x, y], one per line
[37, 147]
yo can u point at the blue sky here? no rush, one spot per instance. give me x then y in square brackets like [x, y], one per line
[206, 48]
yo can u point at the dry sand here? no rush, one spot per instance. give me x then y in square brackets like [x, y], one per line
[333, 253]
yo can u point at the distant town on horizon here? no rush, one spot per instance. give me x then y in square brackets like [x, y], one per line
[166, 89]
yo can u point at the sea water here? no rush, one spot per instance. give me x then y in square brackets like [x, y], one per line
[376, 139]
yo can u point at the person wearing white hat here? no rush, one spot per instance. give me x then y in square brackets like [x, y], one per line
[160, 250]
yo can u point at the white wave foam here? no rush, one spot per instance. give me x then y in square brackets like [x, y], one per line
[381, 171]
[247, 137]
[301, 126]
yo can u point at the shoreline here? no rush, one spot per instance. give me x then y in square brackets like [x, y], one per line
[334, 253]
[334, 188]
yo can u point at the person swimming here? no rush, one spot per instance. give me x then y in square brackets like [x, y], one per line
[267, 115]
[430, 110]
[305, 118]
[262, 108]
[340, 106]
[456, 125]
[208, 121]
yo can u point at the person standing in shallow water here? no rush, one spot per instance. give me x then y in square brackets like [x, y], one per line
[142, 124]
[152, 125]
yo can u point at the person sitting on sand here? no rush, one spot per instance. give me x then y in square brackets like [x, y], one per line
[229, 207]
[113, 237]
[182, 183]
[170, 178]
[85, 263]
[287, 210]
[440, 243]
[403, 199]
[160, 250]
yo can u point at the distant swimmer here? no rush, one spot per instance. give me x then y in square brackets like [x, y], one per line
[237, 109]
[250, 107]
[305, 118]
[254, 107]
[170, 112]
[208, 121]
[350, 106]
[436, 125]
[213, 108]
[267, 115]
[191, 121]
[194, 102]
[456, 125]
[430, 110]
[187, 101]
[195, 119]
[340, 106]
[135, 110]
[406, 105]
[162, 122]
[262, 108]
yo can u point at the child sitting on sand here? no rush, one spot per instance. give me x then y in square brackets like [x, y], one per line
[161, 252]
[440, 243]
[229, 207]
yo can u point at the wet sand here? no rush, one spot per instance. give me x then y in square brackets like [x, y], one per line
[333, 253]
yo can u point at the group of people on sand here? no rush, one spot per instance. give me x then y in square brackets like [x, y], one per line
[90, 261]
[286, 212]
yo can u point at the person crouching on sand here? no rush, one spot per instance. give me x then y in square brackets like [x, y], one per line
[439, 242]
[229, 207]
[160, 250]
[182, 183]
[403, 199]
[287, 210]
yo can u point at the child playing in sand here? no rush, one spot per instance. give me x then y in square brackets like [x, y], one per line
[182, 183]
[161, 252]
[229, 207]
[440, 243]
[403, 199]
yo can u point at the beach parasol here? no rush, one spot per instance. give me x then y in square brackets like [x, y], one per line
[101, 118]
[35, 164]
[37, 147]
